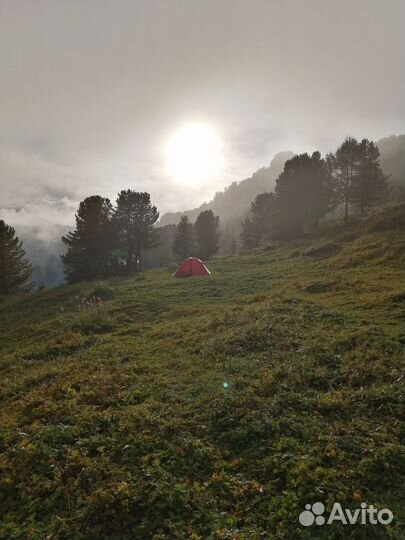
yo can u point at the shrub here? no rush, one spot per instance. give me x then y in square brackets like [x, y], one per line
[94, 322]
[102, 291]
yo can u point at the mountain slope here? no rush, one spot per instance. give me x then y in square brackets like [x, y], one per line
[115, 421]
[392, 151]
[233, 203]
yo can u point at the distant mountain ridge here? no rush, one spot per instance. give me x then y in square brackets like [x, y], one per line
[233, 203]
[392, 151]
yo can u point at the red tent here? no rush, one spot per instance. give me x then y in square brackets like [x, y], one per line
[191, 267]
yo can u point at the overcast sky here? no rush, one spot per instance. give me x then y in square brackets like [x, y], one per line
[90, 91]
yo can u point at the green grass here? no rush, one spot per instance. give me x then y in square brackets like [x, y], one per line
[115, 423]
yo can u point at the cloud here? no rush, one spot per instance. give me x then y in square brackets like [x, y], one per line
[42, 218]
[91, 91]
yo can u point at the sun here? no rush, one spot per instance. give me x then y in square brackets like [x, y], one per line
[193, 154]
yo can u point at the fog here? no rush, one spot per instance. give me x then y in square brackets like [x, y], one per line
[91, 91]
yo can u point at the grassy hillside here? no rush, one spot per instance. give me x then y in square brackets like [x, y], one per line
[211, 408]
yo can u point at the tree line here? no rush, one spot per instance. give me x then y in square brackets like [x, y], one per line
[311, 186]
[15, 269]
[113, 240]
[200, 238]
[110, 240]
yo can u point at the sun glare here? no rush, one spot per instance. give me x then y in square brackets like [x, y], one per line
[193, 154]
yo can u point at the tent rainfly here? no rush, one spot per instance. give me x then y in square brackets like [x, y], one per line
[191, 267]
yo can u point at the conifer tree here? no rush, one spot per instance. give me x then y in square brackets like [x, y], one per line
[355, 168]
[369, 184]
[258, 227]
[15, 270]
[207, 233]
[184, 242]
[134, 218]
[304, 192]
[344, 167]
[89, 246]
[249, 235]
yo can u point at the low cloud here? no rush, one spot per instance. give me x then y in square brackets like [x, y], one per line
[91, 91]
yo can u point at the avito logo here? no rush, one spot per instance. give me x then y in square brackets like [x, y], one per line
[367, 514]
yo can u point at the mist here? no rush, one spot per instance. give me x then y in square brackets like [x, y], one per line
[91, 92]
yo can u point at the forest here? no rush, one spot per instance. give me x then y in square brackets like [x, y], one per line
[124, 239]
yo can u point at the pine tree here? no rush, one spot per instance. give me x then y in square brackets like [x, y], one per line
[304, 192]
[15, 270]
[233, 247]
[184, 242]
[89, 246]
[369, 184]
[258, 227]
[207, 233]
[134, 219]
[320, 193]
[249, 235]
[344, 167]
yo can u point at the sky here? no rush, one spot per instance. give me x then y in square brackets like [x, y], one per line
[91, 91]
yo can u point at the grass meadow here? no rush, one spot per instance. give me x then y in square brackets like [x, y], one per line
[213, 407]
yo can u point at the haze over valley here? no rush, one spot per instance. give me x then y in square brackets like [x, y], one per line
[182, 101]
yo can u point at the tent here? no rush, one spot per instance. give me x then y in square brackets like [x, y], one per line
[191, 267]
